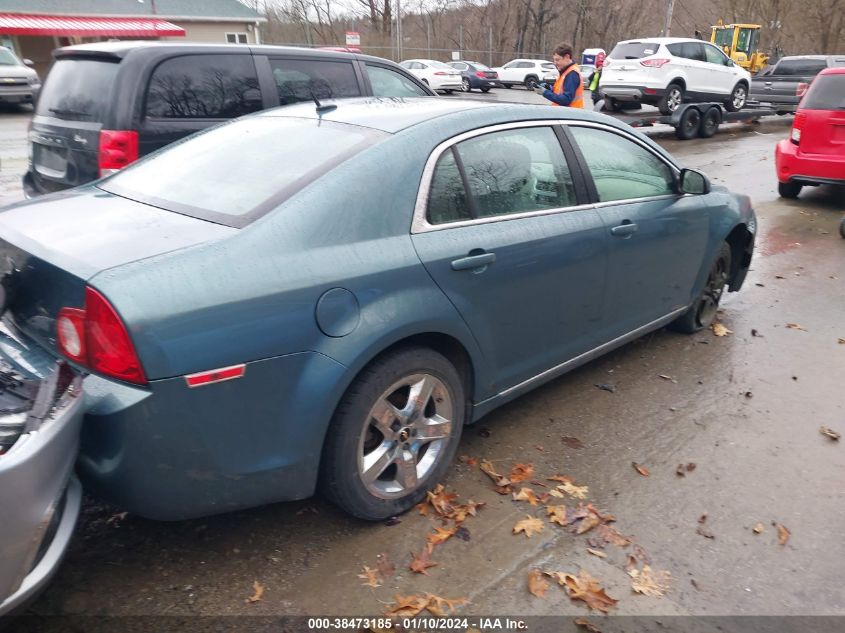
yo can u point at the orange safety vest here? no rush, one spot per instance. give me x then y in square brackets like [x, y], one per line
[578, 99]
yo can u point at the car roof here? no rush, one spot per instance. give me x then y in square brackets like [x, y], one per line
[809, 57]
[661, 40]
[121, 49]
[836, 70]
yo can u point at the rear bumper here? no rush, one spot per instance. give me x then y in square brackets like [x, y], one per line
[642, 94]
[793, 166]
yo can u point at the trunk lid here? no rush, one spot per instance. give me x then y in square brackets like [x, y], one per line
[51, 247]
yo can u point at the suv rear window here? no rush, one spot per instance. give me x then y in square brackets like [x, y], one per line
[800, 67]
[634, 50]
[826, 93]
[238, 171]
[78, 90]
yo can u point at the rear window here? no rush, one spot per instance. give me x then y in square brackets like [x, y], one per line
[800, 67]
[634, 50]
[826, 93]
[78, 90]
[236, 172]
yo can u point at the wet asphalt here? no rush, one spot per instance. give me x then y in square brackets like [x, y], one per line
[745, 408]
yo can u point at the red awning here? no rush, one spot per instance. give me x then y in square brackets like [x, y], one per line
[18, 24]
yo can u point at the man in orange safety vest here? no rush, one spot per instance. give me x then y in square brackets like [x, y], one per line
[569, 88]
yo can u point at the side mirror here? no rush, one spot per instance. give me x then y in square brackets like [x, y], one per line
[28, 62]
[693, 182]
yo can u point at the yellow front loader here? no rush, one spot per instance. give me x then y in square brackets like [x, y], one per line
[740, 42]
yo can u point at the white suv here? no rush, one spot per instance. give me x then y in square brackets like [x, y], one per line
[526, 72]
[667, 71]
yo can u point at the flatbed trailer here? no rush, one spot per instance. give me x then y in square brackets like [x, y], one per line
[693, 120]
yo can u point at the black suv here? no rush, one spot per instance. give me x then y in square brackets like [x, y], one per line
[105, 105]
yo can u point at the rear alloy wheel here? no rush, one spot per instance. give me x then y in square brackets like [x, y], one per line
[394, 434]
[703, 310]
[738, 98]
[671, 99]
[465, 87]
[789, 189]
[530, 82]
[709, 123]
[689, 125]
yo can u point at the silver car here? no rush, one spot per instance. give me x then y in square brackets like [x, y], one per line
[18, 82]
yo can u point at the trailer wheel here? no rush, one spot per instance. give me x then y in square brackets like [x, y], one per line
[710, 123]
[688, 126]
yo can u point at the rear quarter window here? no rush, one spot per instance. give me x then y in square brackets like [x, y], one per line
[78, 90]
[203, 87]
[826, 93]
[634, 50]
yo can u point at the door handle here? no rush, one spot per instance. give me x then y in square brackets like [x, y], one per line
[626, 229]
[474, 261]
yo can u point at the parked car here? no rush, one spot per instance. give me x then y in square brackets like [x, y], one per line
[476, 75]
[437, 75]
[40, 417]
[105, 105]
[18, 82]
[669, 71]
[526, 72]
[586, 72]
[784, 83]
[256, 327]
[814, 154]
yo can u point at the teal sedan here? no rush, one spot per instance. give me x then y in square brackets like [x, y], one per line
[321, 297]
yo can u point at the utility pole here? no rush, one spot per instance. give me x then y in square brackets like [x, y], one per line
[667, 29]
[490, 46]
[461, 39]
[399, 54]
[428, 33]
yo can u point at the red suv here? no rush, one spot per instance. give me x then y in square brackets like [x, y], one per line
[815, 152]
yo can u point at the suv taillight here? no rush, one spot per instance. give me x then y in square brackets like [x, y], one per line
[96, 337]
[117, 149]
[797, 126]
[655, 63]
[801, 89]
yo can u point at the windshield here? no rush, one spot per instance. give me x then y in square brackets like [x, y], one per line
[826, 93]
[78, 90]
[7, 58]
[634, 50]
[724, 37]
[238, 171]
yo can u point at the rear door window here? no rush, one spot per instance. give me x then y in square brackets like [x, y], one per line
[302, 80]
[800, 67]
[634, 50]
[78, 90]
[203, 87]
[826, 93]
[389, 83]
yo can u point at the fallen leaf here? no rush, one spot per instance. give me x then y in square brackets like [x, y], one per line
[572, 442]
[585, 588]
[537, 585]
[640, 469]
[756, 333]
[577, 492]
[385, 566]
[521, 472]
[529, 525]
[561, 478]
[650, 583]
[460, 513]
[596, 552]
[441, 500]
[664, 377]
[779, 277]
[587, 523]
[488, 469]
[691, 466]
[830, 433]
[463, 534]
[783, 534]
[841, 341]
[720, 330]
[370, 577]
[557, 514]
[795, 326]
[592, 628]
[607, 387]
[758, 529]
[526, 494]
[257, 592]
[556, 493]
[641, 554]
[408, 605]
[705, 533]
[695, 584]
[438, 606]
[421, 562]
[441, 535]
[630, 563]
[612, 536]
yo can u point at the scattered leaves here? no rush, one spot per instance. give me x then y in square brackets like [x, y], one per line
[596, 552]
[488, 469]
[257, 592]
[795, 326]
[574, 442]
[421, 562]
[640, 469]
[438, 606]
[537, 585]
[460, 513]
[529, 525]
[526, 494]
[585, 588]
[587, 523]
[589, 626]
[720, 330]
[441, 500]
[370, 577]
[441, 535]
[577, 492]
[521, 472]
[557, 514]
[783, 534]
[830, 433]
[648, 582]
[758, 529]
[612, 536]
[463, 534]
[408, 605]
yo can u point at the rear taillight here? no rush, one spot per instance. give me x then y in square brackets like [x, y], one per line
[479, 73]
[97, 338]
[797, 126]
[801, 89]
[655, 63]
[117, 149]
[440, 72]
